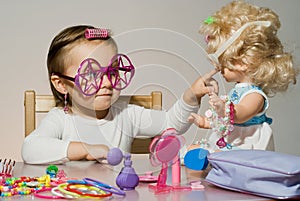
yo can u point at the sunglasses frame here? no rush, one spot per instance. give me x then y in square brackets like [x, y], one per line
[103, 71]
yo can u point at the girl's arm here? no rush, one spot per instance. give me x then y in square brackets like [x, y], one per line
[80, 150]
[153, 122]
[45, 150]
[45, 145]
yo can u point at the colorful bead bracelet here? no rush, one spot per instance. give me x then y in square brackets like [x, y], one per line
[223, 126]
[19, 186]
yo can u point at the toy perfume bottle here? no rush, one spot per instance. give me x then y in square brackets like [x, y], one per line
[127, 178]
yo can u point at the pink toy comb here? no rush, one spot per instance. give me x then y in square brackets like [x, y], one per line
[96, 33]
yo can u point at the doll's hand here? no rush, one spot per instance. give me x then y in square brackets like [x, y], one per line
[217, 103]
[199, 120]
[97, 152]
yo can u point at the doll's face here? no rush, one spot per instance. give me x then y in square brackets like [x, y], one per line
[106, 95]
[236, 75]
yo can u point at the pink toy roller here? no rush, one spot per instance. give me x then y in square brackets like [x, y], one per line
[96, 33]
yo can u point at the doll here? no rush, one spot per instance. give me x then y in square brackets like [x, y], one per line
[243, 45]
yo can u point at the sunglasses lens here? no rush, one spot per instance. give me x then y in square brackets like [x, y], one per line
[123, 73]
[89, 76]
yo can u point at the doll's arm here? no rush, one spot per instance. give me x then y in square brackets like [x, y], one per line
[248, 107]
[199, 120]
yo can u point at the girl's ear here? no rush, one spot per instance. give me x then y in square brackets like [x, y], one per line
[58, 84]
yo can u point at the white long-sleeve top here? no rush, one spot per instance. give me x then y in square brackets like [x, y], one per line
[49, 142]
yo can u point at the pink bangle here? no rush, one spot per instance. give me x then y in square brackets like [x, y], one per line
[231, 113]
[38, 195]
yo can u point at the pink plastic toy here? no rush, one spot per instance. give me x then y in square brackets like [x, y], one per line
[97, 33]
[148, 177]
[164, 150]
[90, 73]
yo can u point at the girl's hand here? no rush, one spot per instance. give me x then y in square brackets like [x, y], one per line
[199, 120]
[206, 84]
[97, 152]
[217, 103]
[83, 151]
[201, 87]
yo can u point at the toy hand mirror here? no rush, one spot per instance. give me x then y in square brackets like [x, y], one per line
[165, 149]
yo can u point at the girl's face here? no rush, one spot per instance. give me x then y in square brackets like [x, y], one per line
[102, 100]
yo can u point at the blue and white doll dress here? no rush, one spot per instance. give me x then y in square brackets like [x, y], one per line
[256, 133]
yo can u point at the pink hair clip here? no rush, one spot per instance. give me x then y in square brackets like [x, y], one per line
[96, 33]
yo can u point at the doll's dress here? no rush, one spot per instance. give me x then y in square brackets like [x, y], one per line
[256, 133]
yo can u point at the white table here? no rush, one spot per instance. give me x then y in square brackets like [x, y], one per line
[108, 174]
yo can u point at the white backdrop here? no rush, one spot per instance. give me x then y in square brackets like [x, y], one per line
[162, 39]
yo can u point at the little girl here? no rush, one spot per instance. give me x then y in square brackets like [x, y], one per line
[243, 45]
[86, 75]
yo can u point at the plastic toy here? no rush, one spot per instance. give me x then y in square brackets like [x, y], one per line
[52, 170]
[196, 159]
[164, 150]
[148, 177]
[90, 74]
[6, 167]
[127, 178]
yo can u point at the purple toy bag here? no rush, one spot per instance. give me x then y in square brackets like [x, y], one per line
[264, 173]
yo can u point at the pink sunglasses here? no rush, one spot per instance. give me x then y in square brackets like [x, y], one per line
[90, 74]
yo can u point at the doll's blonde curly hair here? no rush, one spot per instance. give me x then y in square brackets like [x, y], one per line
[258, 47]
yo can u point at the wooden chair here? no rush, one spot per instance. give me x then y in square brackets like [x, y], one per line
[35, 104]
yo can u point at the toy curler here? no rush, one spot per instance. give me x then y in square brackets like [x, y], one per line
[96, 33]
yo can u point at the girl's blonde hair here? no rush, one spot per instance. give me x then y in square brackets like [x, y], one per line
[258, 47]
[58, 56]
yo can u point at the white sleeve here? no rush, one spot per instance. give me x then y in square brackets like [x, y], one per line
[153, 122]
[44, 145]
